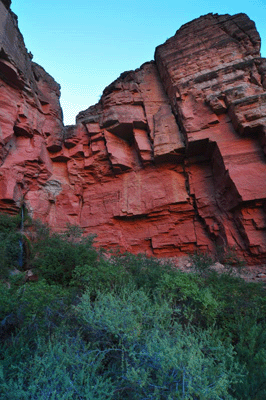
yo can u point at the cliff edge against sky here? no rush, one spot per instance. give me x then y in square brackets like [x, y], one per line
[171, 159]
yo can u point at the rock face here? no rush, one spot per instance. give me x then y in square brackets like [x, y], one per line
[171, 159]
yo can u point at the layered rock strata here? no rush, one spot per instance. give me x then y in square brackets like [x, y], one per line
[171, 159]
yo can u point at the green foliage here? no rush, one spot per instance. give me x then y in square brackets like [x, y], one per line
[129, 313]
[144, 272]
[251, 351]
[99, 275]
[111, 273]
[35, 305]
[193, 300]
[57, 255]
[124, 326]
[152, 356]
[10, 238]
[59, 368]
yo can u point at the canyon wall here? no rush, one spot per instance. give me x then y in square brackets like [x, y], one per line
[171, 159]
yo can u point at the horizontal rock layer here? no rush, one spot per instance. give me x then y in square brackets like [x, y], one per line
[171, 159]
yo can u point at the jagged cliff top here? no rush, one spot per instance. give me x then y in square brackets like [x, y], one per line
[172, 158]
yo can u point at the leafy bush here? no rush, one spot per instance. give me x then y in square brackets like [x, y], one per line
[151, 356]
[250, 347]
[144, 272]
[124, 326]
[57, 255]
[194, 301]
[62, 367]
[34, 306]
[100, 275]
[10, 243]
[122, 269]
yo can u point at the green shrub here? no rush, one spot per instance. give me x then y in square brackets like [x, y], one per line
[126, 314]
[192, 299]
[111, 273]
[62, 368]
[125, 327]
[10, 247]
[33, 306]
[144, 272]
[152, 356]
[250, 347]
[99, 275]
[57, 255]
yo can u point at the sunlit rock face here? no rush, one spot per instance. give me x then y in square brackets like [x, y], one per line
[171, 159]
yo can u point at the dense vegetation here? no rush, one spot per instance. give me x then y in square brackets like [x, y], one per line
[123, 326]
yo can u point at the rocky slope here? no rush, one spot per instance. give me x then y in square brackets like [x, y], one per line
[171, 159]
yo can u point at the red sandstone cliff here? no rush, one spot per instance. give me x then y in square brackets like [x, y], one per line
[170, 160]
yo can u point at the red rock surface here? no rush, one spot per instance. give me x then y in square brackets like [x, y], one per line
[171, 159]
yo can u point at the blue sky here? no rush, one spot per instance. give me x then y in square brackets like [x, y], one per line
[87, 44]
